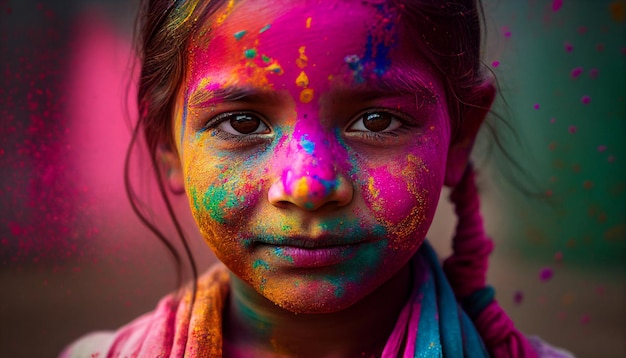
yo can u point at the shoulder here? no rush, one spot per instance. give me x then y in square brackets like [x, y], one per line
[160, 332]
[127, 340]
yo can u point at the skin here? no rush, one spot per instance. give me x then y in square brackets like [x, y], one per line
[315, 216]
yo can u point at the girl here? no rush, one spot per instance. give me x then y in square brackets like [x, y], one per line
[312, 140]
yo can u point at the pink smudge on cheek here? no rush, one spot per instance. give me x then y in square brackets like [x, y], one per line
[387, 196]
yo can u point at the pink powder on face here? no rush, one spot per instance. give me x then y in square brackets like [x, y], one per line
[311, 157]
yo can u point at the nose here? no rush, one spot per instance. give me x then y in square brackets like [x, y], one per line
[311, 180]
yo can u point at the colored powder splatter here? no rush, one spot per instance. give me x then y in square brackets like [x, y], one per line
[265, 28]
[518, 297]
[306, 95]
[568, 47]
[280, 252]
[556, 5]
[585, 99]
[240, 34]
[302, 60]
[250, 53]
[545, 274]
[260, 264]
[356, 66]
[495, 64]
[302, 80]
[307, 145]
[576, 72]
[215, 199]
[536, 106]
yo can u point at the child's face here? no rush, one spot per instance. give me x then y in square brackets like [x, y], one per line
[313, 143]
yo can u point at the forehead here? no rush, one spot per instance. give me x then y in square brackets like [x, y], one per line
[277, 36]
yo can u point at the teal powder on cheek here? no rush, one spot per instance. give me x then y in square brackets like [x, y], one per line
[250, 53]
[214, 199]
[260, 264]
[368, 258]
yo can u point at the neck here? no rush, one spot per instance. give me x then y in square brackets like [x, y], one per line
[254, 326]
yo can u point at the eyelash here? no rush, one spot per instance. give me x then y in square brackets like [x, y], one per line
[212, 125]
[405, 126]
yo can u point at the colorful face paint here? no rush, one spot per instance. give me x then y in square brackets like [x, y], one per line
[313, 159]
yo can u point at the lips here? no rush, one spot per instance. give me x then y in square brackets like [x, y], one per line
[300, 257]
[300, 252]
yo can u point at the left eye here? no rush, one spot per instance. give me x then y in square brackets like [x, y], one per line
[375, 122]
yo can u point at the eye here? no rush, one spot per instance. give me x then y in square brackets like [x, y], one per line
[243, 123]
[375, 122]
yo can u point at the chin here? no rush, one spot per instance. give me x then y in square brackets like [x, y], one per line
[315, 297]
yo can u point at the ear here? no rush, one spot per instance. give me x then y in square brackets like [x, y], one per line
[170, 168]
[471, 118]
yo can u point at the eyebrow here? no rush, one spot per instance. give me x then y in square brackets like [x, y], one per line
[202, 98]
[401, 85]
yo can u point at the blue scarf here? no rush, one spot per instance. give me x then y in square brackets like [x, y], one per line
[432, 323]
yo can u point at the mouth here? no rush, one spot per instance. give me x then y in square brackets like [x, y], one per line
[299, 252]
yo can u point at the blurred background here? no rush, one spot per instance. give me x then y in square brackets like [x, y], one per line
[74, 258]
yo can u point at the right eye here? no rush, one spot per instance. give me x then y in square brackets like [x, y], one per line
[241, 123]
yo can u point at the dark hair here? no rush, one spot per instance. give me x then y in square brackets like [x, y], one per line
[447, 31]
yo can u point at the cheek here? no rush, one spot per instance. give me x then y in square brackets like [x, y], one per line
[221, 189]
[403, 195]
